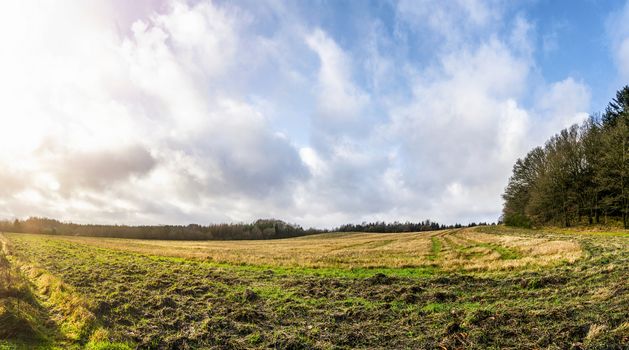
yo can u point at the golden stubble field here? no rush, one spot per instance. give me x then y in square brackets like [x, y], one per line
[466, 249]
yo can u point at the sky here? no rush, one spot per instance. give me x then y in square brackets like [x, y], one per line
[314, 112]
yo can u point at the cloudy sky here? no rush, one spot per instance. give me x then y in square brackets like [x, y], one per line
[315, 112]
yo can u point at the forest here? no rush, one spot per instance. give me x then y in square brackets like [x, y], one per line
[395, 227]
[579, 177]
[260, 229]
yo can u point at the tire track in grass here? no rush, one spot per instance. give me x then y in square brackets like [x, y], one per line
[504, 252]
[465, 249]
[435, 248]
[450, 250]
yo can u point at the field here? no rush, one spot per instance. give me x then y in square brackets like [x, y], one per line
[486, 287]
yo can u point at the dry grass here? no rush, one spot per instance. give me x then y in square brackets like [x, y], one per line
[529, 251]
[460, 249]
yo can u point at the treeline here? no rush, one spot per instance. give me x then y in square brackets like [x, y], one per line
[261, 229]
[383, 227]
[580, 176]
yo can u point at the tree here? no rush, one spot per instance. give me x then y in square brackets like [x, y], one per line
[526, 173]
[613, 175]
[617, 108]
[592, 154]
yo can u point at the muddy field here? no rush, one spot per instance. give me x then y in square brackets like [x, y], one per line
[478, 288]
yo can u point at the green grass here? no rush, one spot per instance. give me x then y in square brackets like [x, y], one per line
[505, 253]
[435, 307]
[435, 248]
[150, 301]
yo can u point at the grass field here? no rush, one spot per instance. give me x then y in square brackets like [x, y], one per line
[488, 287]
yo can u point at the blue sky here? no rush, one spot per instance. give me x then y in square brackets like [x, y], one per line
[318, 113]
[574, 41]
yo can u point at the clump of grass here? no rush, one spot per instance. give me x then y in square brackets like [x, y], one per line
[254, 338]
[434, 307]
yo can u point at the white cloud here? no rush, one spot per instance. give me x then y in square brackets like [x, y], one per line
[455, 139]
[175, 112]
[462, 130]
[98, 115]
[453, 21]
[564, 103]
[339, 99]
[623, 57]
[618, 30]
